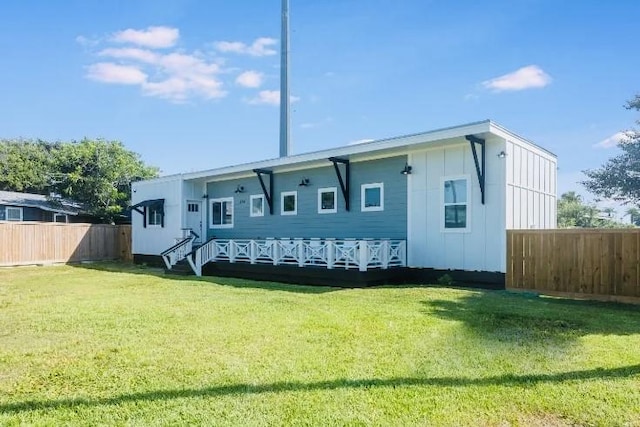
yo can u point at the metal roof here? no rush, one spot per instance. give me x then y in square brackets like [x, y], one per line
[30, 200]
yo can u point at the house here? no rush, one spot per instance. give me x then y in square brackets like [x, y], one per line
[16, 206]
[434, 201]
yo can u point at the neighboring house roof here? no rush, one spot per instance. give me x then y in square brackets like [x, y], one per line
[39, 201]
[387, 146]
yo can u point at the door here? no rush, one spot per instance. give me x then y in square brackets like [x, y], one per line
[194, 218]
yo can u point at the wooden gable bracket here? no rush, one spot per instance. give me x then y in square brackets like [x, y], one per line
[344, 182]
[480, 166]
[267, 194]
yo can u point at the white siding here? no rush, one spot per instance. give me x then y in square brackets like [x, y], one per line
[154, 240]
[531, 186]
[483, 247]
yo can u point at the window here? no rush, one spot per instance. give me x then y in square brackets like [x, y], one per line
[289, 203]
[327, 200]
[13, 213]
[58, 217]
[222, 213]
[193, 207]
[256, 205]
[154, 216]
[372, 197]
[456, 196]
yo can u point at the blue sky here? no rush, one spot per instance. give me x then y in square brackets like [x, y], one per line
[192, 84]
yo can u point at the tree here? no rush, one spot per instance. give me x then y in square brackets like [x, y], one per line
[619, 177]
[634, 216]
[95, 173]
[574, 213]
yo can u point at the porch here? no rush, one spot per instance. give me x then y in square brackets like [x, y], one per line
[348, 254]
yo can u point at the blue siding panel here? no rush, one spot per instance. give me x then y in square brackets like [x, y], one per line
[308, 223]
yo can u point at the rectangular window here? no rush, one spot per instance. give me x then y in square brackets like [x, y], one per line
[13, 213]
[193, 207]
[222, 213]
[372, 197]
[455, 197]
[256, 205]
[327, 200]
[58, 217]
[154, 216]
[289, 203]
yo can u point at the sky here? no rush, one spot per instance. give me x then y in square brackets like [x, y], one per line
[194, 84]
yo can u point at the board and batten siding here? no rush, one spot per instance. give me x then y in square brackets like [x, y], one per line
[483, 246]
[531, 187]
[308, 223]
[152, 240]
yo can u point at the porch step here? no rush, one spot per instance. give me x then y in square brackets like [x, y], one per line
[182, 268]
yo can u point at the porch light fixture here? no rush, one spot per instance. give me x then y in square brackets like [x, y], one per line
[407, 169]
[205, 196]
[240, 189]
[502, 154]
[304, 183]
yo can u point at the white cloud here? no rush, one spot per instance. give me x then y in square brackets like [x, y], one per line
[108, 72]
[612, 141]
[251, 79]
[527, 77]
[142, 55]
[260, 47]
[360, 141]
[270, 97]
[153, 37]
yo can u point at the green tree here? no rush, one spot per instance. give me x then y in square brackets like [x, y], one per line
[95, 173]
[25, 166]
[99, 173]
[619, 177]
[572, 212]
[634, 216]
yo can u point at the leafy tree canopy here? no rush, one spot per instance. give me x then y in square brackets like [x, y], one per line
[619, 177]
[96, 173]
[574, 213]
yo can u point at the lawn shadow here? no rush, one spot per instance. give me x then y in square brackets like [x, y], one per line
[508, 380]
[521, 318]
[117, 267]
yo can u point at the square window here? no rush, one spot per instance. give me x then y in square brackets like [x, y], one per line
[327, 200]
[222, 213]
[455, 196]
[256, 205]
[154, 216]
[372, 197]
[57, 217]
[289, 201]
[13, 213]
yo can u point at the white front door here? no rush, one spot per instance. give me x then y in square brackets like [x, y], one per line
[194, 218]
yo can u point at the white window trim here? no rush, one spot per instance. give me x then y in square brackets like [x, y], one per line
[233, 213]
[19, 209]
[363, 189]
[251, 199]
[443, 229]
[149, 219]
[56, 214]
[282, 196]
[333, 190]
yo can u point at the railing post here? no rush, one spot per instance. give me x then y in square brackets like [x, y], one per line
[300, 251]
[363, 260]
[330, 253]
[384, 253]
[253, 251]
[232, 251]
[276, 251]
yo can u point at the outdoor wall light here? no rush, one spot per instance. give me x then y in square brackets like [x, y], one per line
[304, 183]
[407, 169]
[240, 189]
[205, 196]
[502, 154]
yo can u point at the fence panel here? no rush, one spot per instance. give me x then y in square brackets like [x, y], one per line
[26, 243]
[591, 263]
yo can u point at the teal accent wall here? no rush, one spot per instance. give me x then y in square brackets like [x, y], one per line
[308, 223]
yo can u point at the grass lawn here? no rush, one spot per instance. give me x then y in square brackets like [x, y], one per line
[109, 344]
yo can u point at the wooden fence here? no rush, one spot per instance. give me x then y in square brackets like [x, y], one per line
[588, 263]
[42, 243]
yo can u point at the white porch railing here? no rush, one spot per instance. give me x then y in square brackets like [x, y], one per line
[178, 252]
[362, 254]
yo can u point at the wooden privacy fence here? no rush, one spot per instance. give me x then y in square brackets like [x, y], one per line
[37, 243]
[590, 263]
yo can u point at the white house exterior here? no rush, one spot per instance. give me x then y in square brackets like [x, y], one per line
[451, 208]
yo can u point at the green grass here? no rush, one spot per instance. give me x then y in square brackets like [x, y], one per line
[107, 344]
